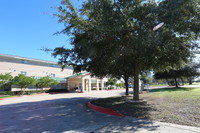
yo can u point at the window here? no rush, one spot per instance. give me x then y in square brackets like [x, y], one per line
[25, 62]
[52, 75]
[53, 65]
[24, 73]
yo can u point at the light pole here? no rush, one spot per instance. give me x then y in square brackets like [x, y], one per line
[158, 26]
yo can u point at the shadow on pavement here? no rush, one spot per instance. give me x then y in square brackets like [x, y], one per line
[62, 115]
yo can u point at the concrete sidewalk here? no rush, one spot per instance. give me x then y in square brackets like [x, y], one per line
[134, 125]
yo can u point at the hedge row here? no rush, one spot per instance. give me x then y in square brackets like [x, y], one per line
[32, 92]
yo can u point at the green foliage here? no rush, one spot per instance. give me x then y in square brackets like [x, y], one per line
[11, 93]
[120, 85]
[23, 81]
[189, 71]
[45, 82]
[111, 82]
[117, 37]
[146, 77]
[5, 80]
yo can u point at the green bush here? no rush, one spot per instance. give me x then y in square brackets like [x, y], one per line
[11, 93]
[57, 90]
[111, 88]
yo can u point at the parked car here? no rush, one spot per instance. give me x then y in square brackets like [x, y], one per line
[130, 86]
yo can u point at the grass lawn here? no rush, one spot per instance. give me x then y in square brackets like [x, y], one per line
[6, 96]
[173, 105]
[159, 85]
[195, 83]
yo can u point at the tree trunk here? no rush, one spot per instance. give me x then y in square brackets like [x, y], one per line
[167, 82]
[190, 81]
[126, 85]
[176, 83]
[22, 92]
[182, 81]
[136, 85]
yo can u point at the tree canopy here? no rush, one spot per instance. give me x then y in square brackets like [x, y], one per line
[5, 79]
[23, 81]
[189, 71]
[113, 35]
[45, 82]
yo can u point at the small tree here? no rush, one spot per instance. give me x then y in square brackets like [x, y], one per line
[120, 85]
[23, 81]
[45, 82]
[111, 82]
[171, 74]
[190, 71]
[146, 77]
[5, 80]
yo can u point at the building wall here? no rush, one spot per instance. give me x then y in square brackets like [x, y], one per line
[39, 68]
[32, 68]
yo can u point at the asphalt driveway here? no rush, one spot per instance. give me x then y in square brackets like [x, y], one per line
[67, 113]
[53, 113]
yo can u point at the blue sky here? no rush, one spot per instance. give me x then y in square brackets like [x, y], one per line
[26, 26]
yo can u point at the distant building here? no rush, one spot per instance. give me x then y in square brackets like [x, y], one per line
[40, 68]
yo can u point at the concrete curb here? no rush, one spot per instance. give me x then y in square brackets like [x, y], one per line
[100, 90]
[103, 110]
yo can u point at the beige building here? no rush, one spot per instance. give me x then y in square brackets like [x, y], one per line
[40, 68]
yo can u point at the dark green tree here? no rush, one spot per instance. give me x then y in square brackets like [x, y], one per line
[5, 80]
[106, 31]
[170, 74]
[189, 71]
[45, 82]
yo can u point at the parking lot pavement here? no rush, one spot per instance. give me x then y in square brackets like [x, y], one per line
[67, 113]
[53, 113]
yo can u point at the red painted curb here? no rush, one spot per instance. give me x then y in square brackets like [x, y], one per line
[103, 110]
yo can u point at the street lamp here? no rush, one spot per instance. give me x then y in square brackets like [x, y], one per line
[158, 26]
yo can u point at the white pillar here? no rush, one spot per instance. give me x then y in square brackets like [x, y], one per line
[89, 84]
[97, 85]
[83, 85]
[67, 83]
[102, 85]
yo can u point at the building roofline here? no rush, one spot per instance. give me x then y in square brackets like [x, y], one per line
[26, 58]
[77, 75]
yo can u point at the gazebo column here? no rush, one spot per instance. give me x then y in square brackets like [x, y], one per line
[97, 85]
[102, 85]
[89, 84]
[83, 85]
